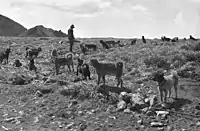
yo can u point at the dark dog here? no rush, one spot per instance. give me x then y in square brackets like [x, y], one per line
[164, 38]
[133, 41]
[83, 48]
[165, 83]
[192, 38]
[31, 65]
[175, 39]
[32, 53]
[104, 44]
[83, 69]
[17, 63]
[4, 54]
[91, 46]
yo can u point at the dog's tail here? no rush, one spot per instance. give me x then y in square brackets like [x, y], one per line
[70, 55]
[175, 77]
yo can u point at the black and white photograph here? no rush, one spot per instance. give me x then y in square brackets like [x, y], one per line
[100, 65]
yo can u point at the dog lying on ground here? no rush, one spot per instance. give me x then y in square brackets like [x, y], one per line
[103, 69]
[192, 38]
[4, 54]
[32, 53]
[104, 44]
[68, 60]
[91, 46]
[175, 39]
[164, 38]
[133, 41]
[165, 83]
[112, 43]
[17, 63]
[83, 69]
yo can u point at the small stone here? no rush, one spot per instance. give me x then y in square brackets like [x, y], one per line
[150, 113]
[38, 93]
[142, 127]
[80, 112]
[160, 129]
[121, 105]
[140, 122]
[128, 111]
[198, 123]
[156, 124]
[69, 126]
[197, 107]
[169, 128]
[83, 126]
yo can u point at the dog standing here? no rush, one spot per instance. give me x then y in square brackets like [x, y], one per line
[91, 46]
[4, 54]
[83, 69]
[104, 44]
[83, 48]
[31, 65]
[63, 62]
[32, 53]
[103, 69]
[165, 83]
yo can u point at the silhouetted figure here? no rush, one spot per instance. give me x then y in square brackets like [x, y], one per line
[192, 38]
[143, 40]
[71, 37]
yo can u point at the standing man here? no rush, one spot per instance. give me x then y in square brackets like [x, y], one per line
[71, 37]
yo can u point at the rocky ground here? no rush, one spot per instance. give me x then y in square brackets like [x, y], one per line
[45, 102]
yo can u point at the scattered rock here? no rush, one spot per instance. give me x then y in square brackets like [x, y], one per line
[160, 129]
[169, 128]
[197, 107]
[150, 113]
[140, 122]
[198, 123]
[38, 93]
[111, 109]
[137, 101]
[69, 126]
[128, 111]
[83, 126]
[121, 105]
[162, 113]
[156, 124]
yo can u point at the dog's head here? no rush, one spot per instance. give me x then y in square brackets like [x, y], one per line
[158, 76]
[17, 61]
[119, 65]
[8, 50]
[80, 61]
[39, 49]
[94, 62]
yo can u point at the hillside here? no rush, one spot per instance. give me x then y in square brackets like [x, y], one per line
[43, 101]
[41, 31]
[9, 27]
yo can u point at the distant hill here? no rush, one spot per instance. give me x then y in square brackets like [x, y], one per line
[41, 31]
[9, 27]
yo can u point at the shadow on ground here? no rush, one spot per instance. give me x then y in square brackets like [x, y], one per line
[178, 103]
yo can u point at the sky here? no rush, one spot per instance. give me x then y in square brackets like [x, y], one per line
[109, 18]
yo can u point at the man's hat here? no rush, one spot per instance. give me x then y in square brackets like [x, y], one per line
[72, 26]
